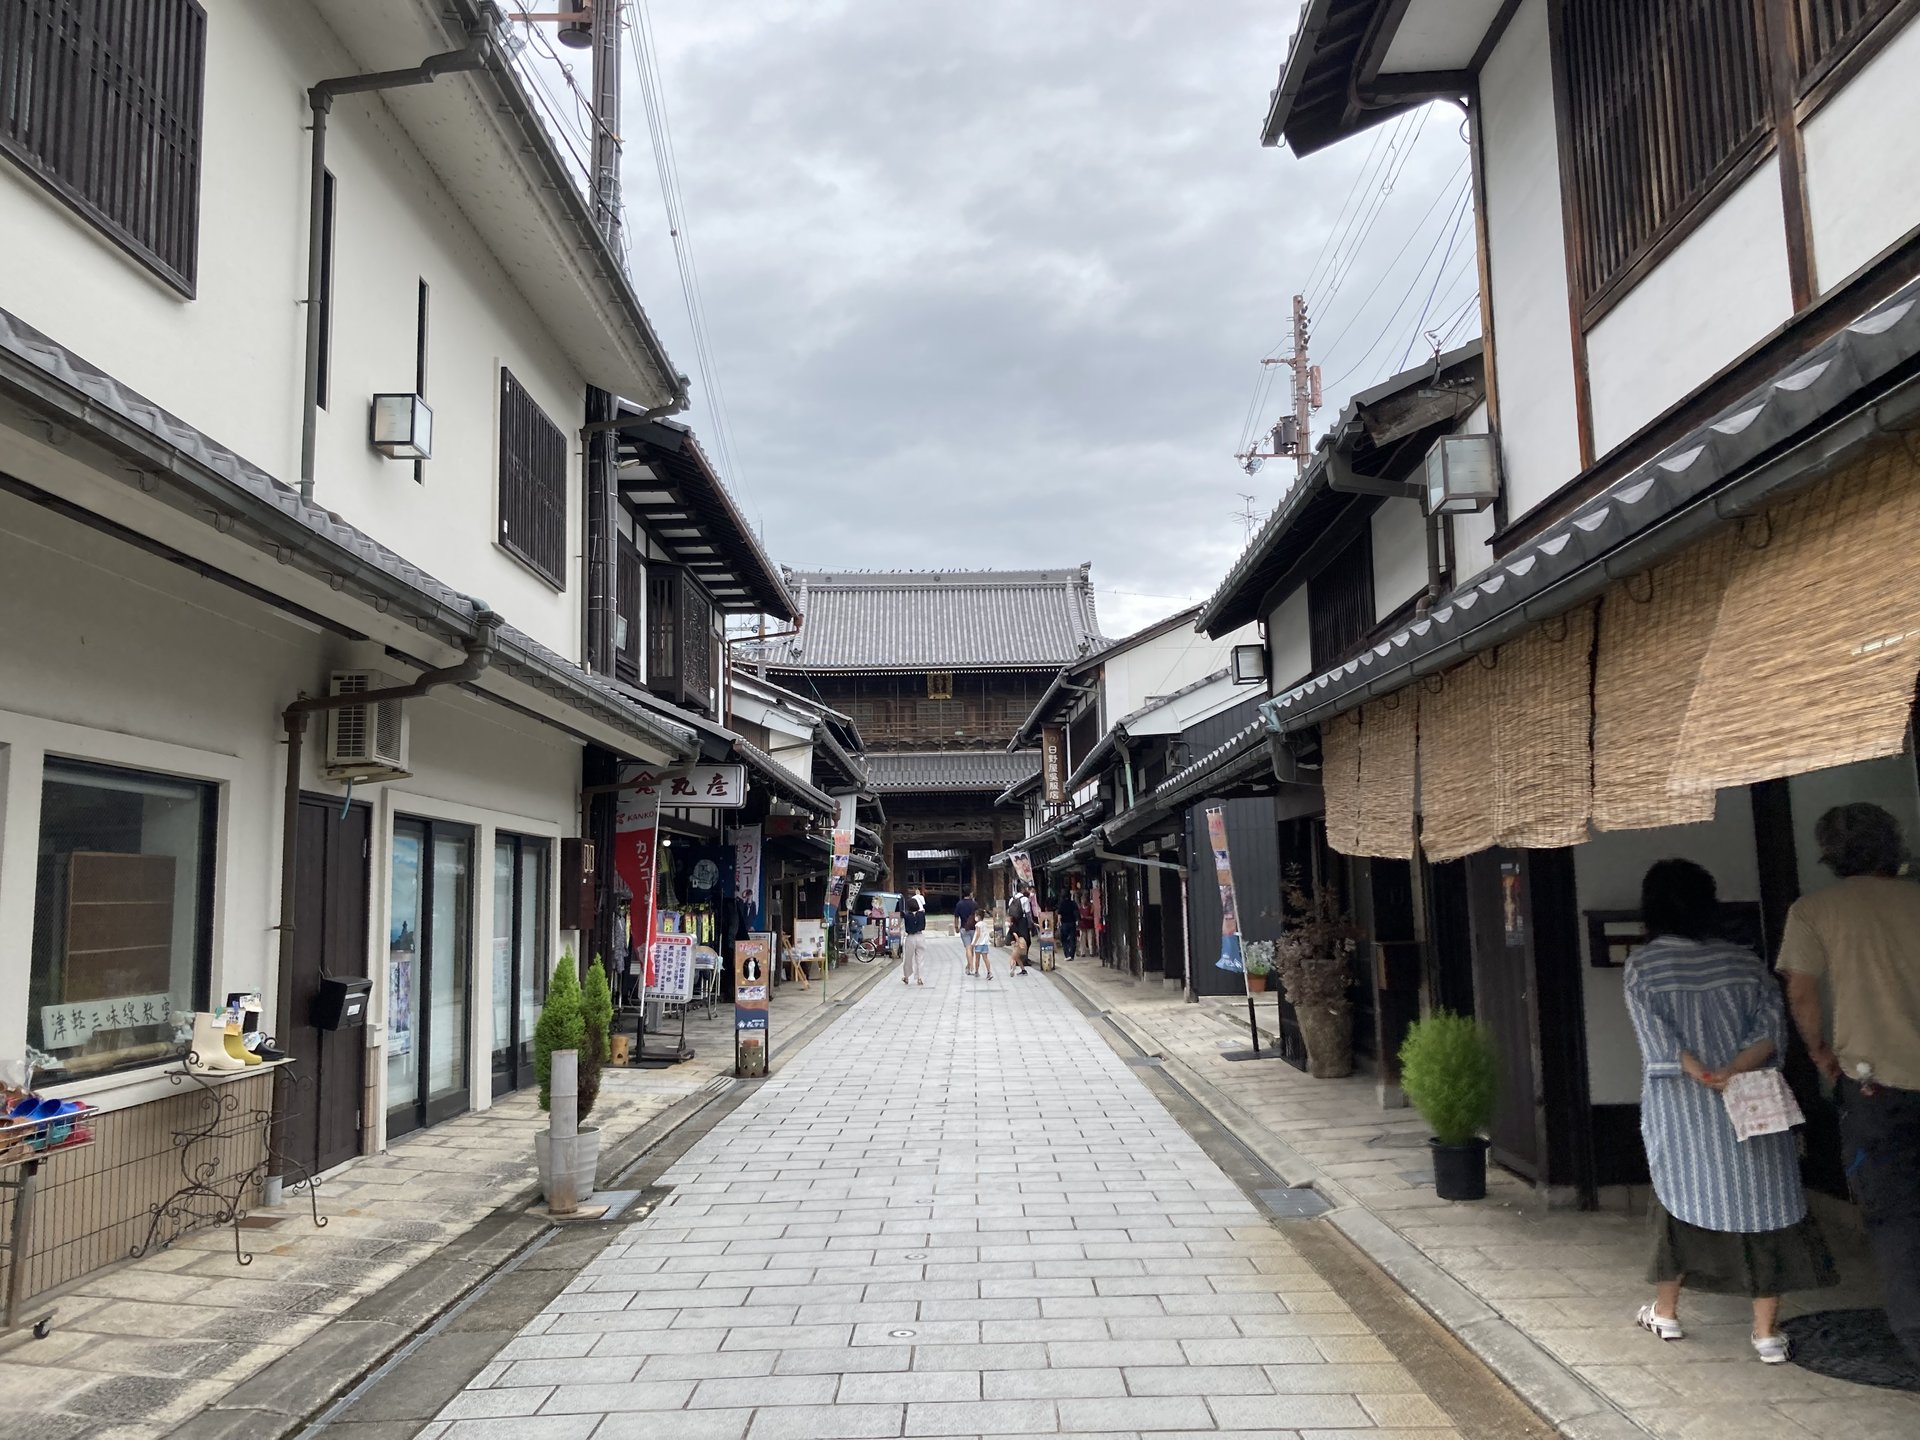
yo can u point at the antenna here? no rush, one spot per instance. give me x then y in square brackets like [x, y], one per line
[1249, 513]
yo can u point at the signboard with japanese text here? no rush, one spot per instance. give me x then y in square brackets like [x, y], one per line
[752, 967]
[1053, 764]
[75, 1023]
[747, 853]
[720, 787]
[670, 968]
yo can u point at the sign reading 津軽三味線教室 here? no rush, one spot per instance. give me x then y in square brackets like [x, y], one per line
[63, 1026]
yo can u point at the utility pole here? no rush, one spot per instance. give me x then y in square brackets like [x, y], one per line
[606, 119]
[1293, 434]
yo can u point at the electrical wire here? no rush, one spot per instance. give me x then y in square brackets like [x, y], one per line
[1461, 190]
[1452, 239]
[1390, 327]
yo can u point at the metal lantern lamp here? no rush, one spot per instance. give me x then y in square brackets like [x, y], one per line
[1463, 474]
[402, 427]
[1249, 664]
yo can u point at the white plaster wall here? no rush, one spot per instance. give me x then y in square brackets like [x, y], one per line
[1863, 171]
[1607, 872]
[1162, 665]
[1289, 643]
[142, 664]
[1715, 296]
[230, 360]
[1399, 554]
[1540, 439]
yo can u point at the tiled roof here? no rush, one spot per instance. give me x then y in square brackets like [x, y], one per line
[938, 620]
[892, 772]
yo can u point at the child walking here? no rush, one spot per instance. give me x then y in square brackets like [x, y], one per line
[983, 950]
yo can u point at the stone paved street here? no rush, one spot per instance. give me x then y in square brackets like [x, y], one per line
[957, 1213]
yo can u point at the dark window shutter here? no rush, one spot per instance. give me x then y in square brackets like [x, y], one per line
[627, 661]
[1340, 604]
[100, 102]
[533, 483]
[663, 628]
[696, 641]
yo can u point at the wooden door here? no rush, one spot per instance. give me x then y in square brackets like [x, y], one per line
[1503, 989]
[324, 1085]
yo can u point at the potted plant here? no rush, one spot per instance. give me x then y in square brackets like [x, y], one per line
[1314, 959]
[1259, 957]
[562, 1026]
[1450, 1072]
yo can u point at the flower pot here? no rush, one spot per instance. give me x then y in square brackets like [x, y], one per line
[1328, 1032]
[584, 1161]
[1460, 1171]
[1256, 984]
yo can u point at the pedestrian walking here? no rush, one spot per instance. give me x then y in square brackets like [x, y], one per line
[913, 921]
[1069, 920]
[1020, 918]
[981, 953]
[964, 916]
[1861, 937]
[1728, 1215]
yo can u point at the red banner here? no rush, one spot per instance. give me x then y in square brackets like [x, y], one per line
[636, 838]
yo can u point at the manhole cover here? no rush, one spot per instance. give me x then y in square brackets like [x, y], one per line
[1299, 1203]
[1855, 1345]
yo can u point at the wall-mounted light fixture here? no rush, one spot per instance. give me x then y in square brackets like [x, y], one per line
[1463, 474]
[1249, 664]
[402, 427]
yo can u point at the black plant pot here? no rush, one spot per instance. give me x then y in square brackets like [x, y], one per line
[1460, 1171]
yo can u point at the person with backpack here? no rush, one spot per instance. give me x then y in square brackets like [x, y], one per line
[912, 908]
[964, 916]
[1020, 918]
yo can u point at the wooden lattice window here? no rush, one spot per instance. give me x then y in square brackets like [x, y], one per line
[1340, 605]
[533, 483]
[629, 587]
[100, 102]
[696, 641]
[1665, 100]
[1825, 32]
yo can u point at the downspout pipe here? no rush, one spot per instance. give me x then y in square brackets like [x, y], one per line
[320, 100]
[479, 657]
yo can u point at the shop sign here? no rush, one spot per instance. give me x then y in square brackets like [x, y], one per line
[1223, 871]
[77, 1022]
[1053, 763]
[752, 959]
[670, 968]
[718, 787]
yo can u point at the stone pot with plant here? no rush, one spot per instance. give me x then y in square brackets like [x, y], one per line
[1450, 1072]
[1259, 957]
[1314, 959]
[575, 1019]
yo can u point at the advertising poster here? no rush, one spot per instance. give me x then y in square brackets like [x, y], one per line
[670, 968]
[1023, 866]
[752, 960]
[747, 848]
[1223, 869]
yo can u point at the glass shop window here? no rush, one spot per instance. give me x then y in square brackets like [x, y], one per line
[122, 918]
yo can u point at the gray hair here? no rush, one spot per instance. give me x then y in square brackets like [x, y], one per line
[1860, 839]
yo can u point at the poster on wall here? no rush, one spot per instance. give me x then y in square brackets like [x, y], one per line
[747, 875]
[752, 960]
[1229, 913]
[400, 1001]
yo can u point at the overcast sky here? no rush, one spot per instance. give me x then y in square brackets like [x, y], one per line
[988, 284]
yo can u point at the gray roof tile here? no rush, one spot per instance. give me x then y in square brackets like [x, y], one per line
[939, 620]
[992, 770]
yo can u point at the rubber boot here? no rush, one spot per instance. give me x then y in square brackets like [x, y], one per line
[209, 1050]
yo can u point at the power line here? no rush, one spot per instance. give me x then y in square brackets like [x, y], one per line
[1412, 234]
[1452, 238]
[1389, 327]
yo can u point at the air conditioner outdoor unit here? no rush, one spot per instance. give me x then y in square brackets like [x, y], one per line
[366, 742]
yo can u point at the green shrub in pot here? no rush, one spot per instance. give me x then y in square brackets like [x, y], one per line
[562, 1024]
[1451, 1074]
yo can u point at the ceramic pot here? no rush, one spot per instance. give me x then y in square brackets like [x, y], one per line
[1256, 984]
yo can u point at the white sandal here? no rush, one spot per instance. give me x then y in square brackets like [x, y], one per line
[1667, 1327]
[1773, 1349]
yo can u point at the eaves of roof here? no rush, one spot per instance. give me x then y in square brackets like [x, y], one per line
[1070, 674]
[1312, 106]
[1242, 765]
[1813, 415]
[188, 470]
[1019, 787]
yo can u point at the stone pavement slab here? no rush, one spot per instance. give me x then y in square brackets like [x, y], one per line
[1553, 1291]
[960, 1214]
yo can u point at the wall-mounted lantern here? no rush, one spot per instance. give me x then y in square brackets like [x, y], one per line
[1463, 474]
[1249, 664]
[402, 427]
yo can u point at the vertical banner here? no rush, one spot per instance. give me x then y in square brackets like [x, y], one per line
[1229, 915]
[1023, 867]
[842, 854]
[636, 838]
[747, 849]
[1053, 764]
[752, 959]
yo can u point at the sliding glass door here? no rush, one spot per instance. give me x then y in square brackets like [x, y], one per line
[429, 973]
[522, 954]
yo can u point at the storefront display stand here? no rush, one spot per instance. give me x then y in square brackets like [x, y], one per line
[209, 1197]
[666, 1049]
[24, 1184]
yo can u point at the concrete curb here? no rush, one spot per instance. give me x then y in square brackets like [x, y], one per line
[284, 1397]
[1551, 1389]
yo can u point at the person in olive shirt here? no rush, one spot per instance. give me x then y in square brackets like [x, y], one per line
[1861, 937]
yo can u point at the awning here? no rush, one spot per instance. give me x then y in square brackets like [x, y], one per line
[1654, 512]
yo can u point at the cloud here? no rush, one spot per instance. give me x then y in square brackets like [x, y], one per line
[987, 285]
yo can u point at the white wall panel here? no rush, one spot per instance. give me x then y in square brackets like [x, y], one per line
[1399, 555]
[1863, 169]
[1540, 439]
[1715, 295]
[1289, 643]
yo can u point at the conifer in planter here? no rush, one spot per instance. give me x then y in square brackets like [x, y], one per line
[1314, 959]
[563, 1026]
[1450, 1072]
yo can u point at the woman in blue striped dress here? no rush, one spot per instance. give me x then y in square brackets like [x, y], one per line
[1728, 1216]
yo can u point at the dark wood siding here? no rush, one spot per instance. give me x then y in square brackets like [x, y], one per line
[894, 713]
[100, 102]
[1825, 31]
[626, 659]
[533, 483]
[1340, 604]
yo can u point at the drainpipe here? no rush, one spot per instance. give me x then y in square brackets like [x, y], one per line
[320, 98]
[1434, 586]
[478, 657]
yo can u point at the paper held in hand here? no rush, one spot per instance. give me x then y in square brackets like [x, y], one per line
[1759, 1103]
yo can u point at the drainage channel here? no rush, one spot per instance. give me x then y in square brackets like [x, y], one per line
[1475, 1399]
